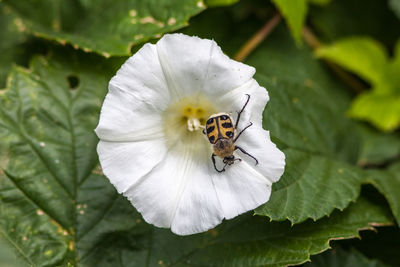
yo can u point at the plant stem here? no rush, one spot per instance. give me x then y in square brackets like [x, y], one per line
[258, 37]
[349, 80]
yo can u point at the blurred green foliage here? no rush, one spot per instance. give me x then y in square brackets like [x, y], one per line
[369, 60]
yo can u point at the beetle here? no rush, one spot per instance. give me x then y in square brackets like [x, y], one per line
[222, 135]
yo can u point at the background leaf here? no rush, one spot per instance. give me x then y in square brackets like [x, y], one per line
[367, 58]
[278, 244]
[388, 183]
[361, 55]
[295, 12]
[11, 38]
[395, 6]
[214, 3]
[341, 258]
[383, 111]
[48, 126]
[106, 27]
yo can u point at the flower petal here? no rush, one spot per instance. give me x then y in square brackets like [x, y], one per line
[233, 101]
[193, 65]
[178, 193]
[137, 96]
[241, 188]
[125, 163]
[271, 161]
[199, 209]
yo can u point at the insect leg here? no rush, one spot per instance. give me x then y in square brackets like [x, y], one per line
[244, 152]
[240, 113]
[234, 140]
[223, 169]
[215, 166]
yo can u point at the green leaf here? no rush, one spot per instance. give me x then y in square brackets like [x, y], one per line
[341, 258]
[245, 241]
[383, 111]
[367, 58]
[388, 183]
[361, 55]
[278, 244]
[395, 6]
[11, 37]
[214, 3]
[312, 186]
[295, 12]
[50, 178]
[106, 27]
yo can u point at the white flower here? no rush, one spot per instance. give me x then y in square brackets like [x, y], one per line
[152, 147]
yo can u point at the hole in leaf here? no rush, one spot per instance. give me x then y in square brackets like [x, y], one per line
[73, 81]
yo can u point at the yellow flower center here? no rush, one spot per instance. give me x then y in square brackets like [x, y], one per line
[184, 120]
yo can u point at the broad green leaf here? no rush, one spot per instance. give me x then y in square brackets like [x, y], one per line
[388, 183]
[295, 12]
[361, 55]
[341, 258]
[312, 186]
[11, 37]
[49, 178]
[279, 244]
[214, 3]
[395, 6]
[383, 111]
[107, 27]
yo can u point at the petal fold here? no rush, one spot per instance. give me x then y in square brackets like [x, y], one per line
[241, 188]
[193, 65]
[271, 161]
[125, 163]
[137, 96]
[178, 194]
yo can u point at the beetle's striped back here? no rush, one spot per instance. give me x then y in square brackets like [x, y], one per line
[219, 126]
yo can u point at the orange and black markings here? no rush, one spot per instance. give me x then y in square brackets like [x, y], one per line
[219, 127]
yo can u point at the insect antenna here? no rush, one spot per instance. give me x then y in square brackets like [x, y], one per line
[240, 112]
